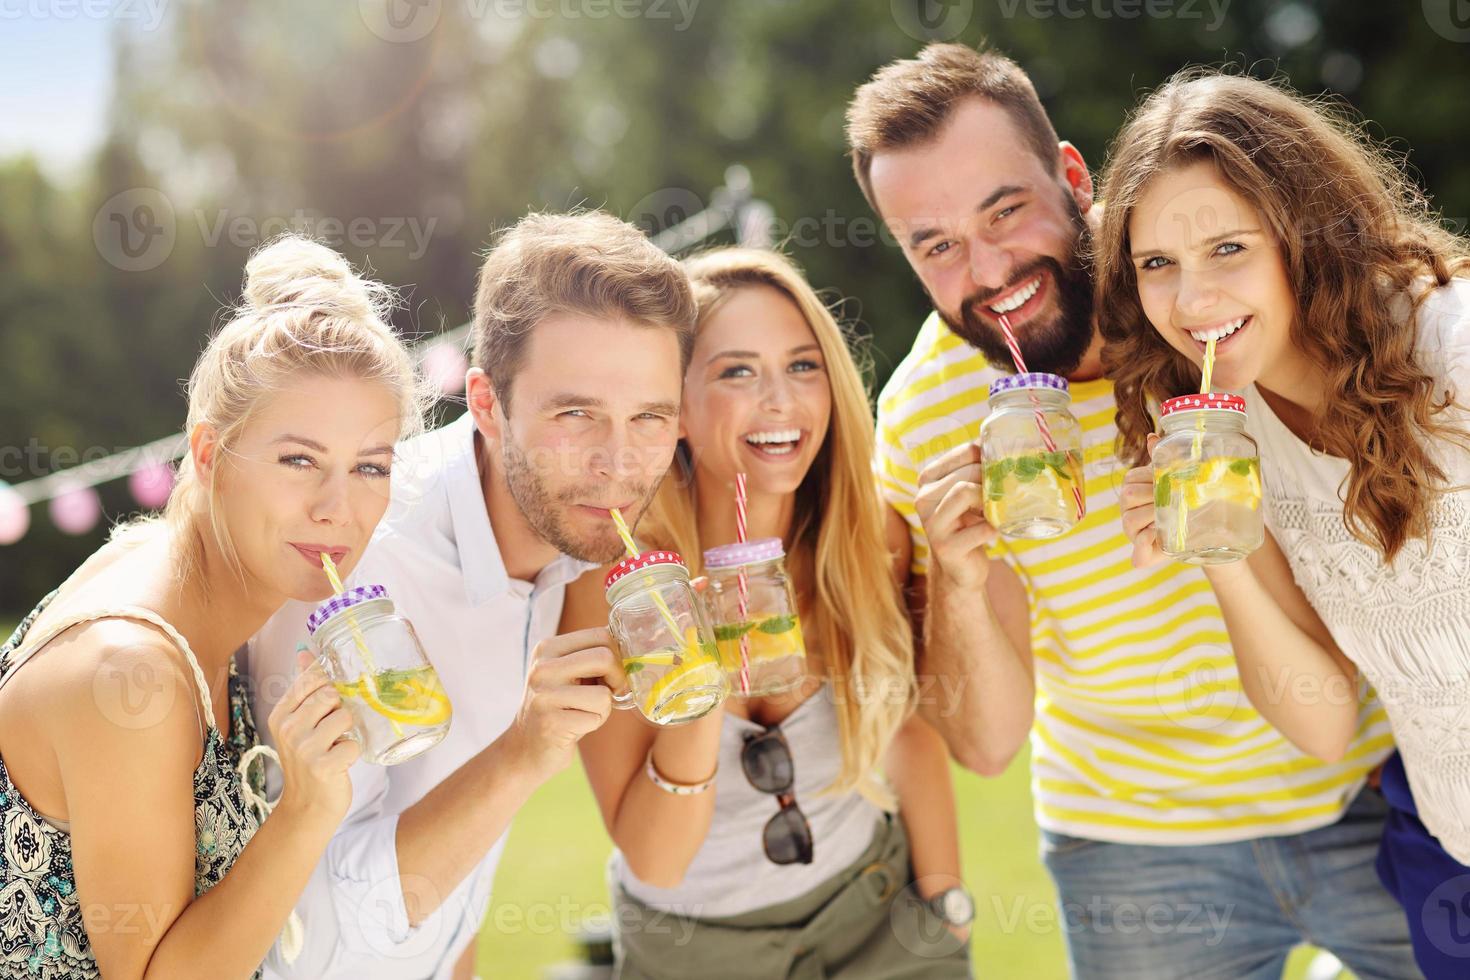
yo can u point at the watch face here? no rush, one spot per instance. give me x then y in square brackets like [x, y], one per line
[958, 908]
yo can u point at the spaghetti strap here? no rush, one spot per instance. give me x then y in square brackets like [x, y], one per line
[49, 928]
[293, 935]
[30, 649]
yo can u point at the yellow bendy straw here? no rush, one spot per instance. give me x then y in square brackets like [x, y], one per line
[330, 567]
[1197, 448]
[658, 600]
[1209, 368]
[624, 533]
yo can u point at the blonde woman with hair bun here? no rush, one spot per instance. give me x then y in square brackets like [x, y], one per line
[132, 848]
[847, 866]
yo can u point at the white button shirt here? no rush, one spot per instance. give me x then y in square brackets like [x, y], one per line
[435, 552]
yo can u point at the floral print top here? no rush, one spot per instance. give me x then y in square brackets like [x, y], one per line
[42, 934]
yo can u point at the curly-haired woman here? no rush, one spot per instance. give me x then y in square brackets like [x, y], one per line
[1240, 212]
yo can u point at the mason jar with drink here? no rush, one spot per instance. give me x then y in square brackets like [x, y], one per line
[374, 659]
[664, 639]
[757, 629]
[1207, 481]
[1031, 453]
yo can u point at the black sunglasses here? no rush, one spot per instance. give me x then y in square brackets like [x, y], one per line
[766, 759]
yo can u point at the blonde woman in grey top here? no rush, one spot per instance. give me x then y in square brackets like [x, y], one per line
[807, 833]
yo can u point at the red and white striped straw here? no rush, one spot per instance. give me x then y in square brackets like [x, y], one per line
[741, 533]
[1041, 426]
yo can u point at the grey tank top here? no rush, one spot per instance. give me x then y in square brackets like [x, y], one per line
[731, 875]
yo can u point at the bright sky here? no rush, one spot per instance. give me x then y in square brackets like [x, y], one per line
[56, 76]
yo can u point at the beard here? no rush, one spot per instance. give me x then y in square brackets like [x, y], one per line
[1052, 345]
[543, 509]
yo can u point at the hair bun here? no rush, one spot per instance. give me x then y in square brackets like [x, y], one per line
[294, 271]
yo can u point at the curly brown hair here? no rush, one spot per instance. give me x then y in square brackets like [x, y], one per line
[1355, 235]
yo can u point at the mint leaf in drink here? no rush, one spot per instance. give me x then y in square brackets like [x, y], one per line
[1162, 491]
[632, 666]
[1058, 462]
[726, 632]
[1243, 467]
[777, 624]
[393, 687]
[1028, 468]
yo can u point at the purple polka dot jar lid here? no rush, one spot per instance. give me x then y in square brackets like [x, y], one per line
[1035, 379]
[744, 553]
[341, 603]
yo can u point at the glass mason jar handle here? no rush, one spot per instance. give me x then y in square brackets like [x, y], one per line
[321, 657]
[705, 597]
[626, 700]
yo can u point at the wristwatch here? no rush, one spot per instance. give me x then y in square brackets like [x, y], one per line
[953, 905]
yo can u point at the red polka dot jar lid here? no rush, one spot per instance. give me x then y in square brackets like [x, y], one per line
[1195, 403]
[642, 563]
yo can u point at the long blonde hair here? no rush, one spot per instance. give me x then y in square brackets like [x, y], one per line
[1356, 237]
[303, 310]
[851, 608]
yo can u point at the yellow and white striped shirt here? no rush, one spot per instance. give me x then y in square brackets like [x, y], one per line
[1143, 733]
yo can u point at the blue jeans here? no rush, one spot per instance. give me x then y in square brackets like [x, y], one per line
[1230, 911]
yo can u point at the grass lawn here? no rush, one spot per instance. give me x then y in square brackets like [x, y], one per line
[552, 875]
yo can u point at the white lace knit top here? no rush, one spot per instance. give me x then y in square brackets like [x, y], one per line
[1405, 624]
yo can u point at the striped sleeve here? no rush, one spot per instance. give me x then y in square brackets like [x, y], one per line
[898, 480]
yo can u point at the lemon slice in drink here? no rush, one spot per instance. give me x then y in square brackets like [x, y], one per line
[1236, 481]
[693, 673]
[774, 638]
[408, 700]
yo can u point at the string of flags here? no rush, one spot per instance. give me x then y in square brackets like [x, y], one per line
[74, 507]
